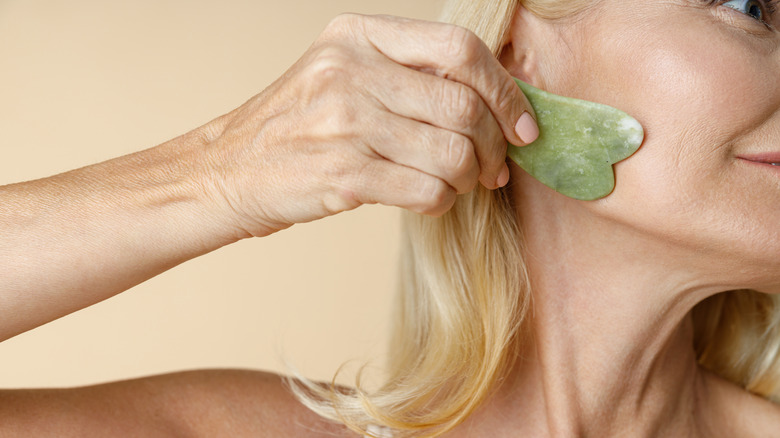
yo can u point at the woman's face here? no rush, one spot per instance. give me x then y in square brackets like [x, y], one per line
[703, 78]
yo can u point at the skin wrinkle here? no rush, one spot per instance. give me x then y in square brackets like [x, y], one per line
[712, 128]
[614, 280]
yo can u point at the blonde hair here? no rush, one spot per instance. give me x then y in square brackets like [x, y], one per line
[465, 294]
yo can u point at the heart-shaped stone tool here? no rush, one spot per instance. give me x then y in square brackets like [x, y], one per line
[578, 143]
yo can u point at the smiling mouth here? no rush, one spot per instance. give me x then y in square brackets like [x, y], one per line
[771, 159]
[765, 162]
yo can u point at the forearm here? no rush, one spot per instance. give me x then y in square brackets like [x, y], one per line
[327, 137]
[74, 239]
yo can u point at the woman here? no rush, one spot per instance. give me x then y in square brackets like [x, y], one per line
[524, 313]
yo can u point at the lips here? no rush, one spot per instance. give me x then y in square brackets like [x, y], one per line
[770, 158]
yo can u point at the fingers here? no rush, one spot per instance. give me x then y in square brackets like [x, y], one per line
[378, 110]
[449, 105]
[383, 182]
[456, 54]
[458, 84]
[414, 112]
[444, 154]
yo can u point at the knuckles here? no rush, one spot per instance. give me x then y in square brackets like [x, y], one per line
[459, 159]
[461, 45]
[345, 175]
[462, 105]
[341, 120]
[329, 64]
[504, 99]
[331, 71]
[322, 91]
[342, 25]
[437, 197]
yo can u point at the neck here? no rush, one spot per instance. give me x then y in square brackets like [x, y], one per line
[611, 352]
[605, 360]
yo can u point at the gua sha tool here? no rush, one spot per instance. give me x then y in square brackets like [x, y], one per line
[578, 143]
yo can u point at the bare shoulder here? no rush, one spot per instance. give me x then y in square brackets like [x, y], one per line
[741, 413]
[763, 415]
[233, 403]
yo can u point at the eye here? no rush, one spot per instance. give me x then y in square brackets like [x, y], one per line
[752, 8]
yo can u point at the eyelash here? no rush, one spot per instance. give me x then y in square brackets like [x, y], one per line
[768, 9]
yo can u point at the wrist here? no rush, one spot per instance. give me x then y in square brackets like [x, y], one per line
[229, 178]
[201, 168]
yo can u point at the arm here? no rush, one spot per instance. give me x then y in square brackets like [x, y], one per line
[71, 240]
[379, 110]
[214, 403]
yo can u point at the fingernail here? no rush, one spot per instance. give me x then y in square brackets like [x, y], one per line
[503, 177]
[526, 128]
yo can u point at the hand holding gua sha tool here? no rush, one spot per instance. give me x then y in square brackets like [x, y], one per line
[578, 143]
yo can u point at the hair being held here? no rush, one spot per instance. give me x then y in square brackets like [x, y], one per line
[465, 298]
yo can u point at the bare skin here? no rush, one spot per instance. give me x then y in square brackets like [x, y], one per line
[188, 404]
[614, 280]
[379, 110]
[308, 147]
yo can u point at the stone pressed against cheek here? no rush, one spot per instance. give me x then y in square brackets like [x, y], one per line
[579, 142]
[701, 87]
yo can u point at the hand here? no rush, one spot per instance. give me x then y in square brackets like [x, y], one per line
[379, 110]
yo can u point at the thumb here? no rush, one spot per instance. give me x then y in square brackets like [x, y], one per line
[518, 121]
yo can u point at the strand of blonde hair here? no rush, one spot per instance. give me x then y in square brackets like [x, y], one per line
[464, 297]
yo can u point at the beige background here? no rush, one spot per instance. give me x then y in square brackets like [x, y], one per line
[85, 80]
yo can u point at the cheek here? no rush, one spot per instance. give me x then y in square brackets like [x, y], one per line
[695, 88]
[682, 98]
[678, 90]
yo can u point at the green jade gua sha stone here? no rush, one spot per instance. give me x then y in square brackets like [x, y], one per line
[578, 143]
